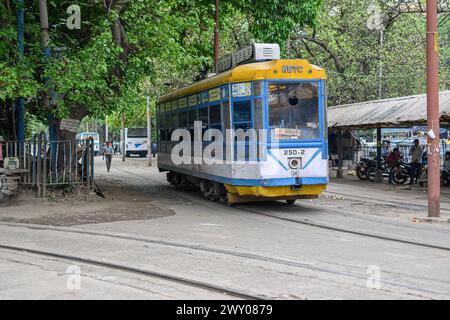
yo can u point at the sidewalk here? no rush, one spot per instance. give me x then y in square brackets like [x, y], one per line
[414, 198]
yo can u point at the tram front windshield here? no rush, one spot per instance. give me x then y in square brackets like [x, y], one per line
[294, 110]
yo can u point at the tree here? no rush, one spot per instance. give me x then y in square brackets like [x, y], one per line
[101, 68]
[342, 43]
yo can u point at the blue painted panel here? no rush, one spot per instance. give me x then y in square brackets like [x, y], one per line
[250, 182]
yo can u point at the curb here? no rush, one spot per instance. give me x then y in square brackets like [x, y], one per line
[431, 220]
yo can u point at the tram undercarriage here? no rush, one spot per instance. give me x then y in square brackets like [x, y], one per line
[231, 194]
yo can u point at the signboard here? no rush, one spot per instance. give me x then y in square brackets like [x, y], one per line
[203, 97]
[225, 92]
[182, 103]
[192, 100]
[241, 89]
[70, 125]
[11, 163]
[214, 94]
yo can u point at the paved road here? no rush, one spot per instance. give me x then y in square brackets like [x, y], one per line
[234, 248]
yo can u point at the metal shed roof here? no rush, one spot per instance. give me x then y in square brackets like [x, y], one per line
[394, 113]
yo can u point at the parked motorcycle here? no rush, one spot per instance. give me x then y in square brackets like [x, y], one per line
[371, 171]
[362, 166]
[401, 173]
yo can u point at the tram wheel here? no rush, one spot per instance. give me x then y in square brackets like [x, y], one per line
[205, 189]
[290, 202]
[215, 191]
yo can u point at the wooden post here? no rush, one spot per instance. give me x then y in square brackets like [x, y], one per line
[340, 171]
[123, 137]
[434, 187]
[149, 133]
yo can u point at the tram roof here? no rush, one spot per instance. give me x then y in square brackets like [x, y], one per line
[272, 69]
[393, 113]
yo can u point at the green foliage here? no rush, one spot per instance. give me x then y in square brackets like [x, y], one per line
[274, 20]
[342, 43]
[16, 74]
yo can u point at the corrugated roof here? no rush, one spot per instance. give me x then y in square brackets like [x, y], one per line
[397, 112]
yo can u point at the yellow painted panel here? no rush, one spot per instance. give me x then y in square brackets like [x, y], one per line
[279, 191]
[275, 69]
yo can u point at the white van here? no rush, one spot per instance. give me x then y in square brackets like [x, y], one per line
[94, 136]
[135, 141]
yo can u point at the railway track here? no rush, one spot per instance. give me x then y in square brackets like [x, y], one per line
[189, 282]
[356, 276]
[391, 203]
[349, 231]
[320, 225]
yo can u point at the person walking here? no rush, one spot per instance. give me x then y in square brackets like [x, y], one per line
[108, 154]
[416, 153]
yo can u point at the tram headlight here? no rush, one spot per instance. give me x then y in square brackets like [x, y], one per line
[294, 163]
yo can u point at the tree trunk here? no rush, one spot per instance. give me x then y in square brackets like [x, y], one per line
[67, 144]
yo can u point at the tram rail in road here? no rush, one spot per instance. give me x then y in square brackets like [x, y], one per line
[206, 286]
[310, 222]
[164, 276]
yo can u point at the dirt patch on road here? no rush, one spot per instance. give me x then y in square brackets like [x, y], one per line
[83, 207]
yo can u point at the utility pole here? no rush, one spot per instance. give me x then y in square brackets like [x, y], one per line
[380, 65]
[216, 35]
[149, 133]
[123, 137]
[379, 173]
[20, 111]
[45, 35]
[106, 129]
[434, 187]
[45, 42]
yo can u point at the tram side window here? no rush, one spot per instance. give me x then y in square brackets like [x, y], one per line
[242, 115]
[162, 125]
[226, 115]
[192, 116]
[294, 110]
[175, 120]
[214, 117]
[169, 123]
[182, 119]
[203, 116]
[258, 114]
[257, 88]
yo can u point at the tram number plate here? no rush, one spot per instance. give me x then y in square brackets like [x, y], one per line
[294, 173]
[294, 152]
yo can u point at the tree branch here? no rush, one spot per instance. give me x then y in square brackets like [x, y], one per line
[339, 67]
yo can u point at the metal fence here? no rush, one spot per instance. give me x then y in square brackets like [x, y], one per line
[53, 163]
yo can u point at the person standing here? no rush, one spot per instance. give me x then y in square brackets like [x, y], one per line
[416, 153]
[108, 154]
[393, 161]
[446, 169]
[387, 149]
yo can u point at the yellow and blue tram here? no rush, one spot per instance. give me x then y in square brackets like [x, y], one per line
[285, 99]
